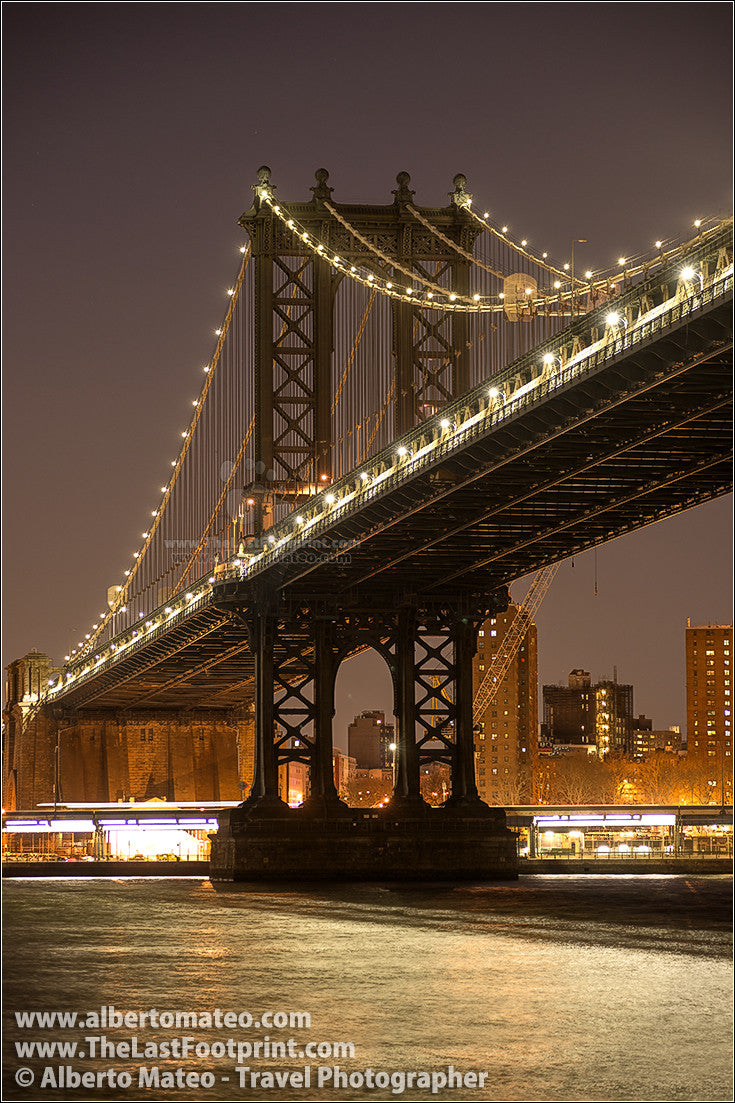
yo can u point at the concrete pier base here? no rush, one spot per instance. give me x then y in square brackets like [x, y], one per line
[369, 845]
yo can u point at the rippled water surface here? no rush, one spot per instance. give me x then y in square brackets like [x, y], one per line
[578, 988]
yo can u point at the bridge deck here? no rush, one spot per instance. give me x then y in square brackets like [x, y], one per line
[633, 426]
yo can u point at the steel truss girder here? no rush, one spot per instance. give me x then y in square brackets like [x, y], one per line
[567, 467]
[617, 409]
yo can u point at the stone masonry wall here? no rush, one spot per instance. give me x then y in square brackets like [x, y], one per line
[176, 757]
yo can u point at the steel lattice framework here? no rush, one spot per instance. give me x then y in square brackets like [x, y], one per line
[405, 539]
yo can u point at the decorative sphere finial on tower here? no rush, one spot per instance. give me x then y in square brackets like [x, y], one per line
[403, 193]
[460, 196]
[322, 191]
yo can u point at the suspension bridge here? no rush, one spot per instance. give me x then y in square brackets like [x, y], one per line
[406, 409]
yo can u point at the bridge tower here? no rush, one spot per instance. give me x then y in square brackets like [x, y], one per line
[299, 638]
[295, 292]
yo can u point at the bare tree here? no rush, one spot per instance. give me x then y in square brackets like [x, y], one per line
[578, 779]
[659, 778]
[367, 792]
[436, 783]
[507, 789]
[696, 783]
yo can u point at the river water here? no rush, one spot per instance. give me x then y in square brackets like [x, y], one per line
[555, 988]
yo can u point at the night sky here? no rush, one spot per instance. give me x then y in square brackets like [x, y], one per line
[133, 134]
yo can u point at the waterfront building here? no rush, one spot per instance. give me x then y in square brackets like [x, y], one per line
[506, 737]
[709, 707]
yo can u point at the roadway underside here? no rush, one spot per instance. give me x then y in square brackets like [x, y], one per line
[647, 436]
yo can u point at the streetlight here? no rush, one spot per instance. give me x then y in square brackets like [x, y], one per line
[687, 275]
[614, 319]
[393, 747]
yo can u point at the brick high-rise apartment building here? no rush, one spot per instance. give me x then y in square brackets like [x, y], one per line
[709, 707]
[505, 745]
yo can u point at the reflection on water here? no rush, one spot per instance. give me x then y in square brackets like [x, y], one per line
[595, 987]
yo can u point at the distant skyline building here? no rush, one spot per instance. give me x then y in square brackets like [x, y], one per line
[369, 739]
[709, 703]
[596, 716]
[507, 739]
[647, 739]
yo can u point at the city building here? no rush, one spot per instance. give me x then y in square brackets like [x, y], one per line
[709, 708]
[646, 739]
[293, 783]
[506, 736]
[344, 772]
[568, 712]
[597, 716]
[369, 739]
